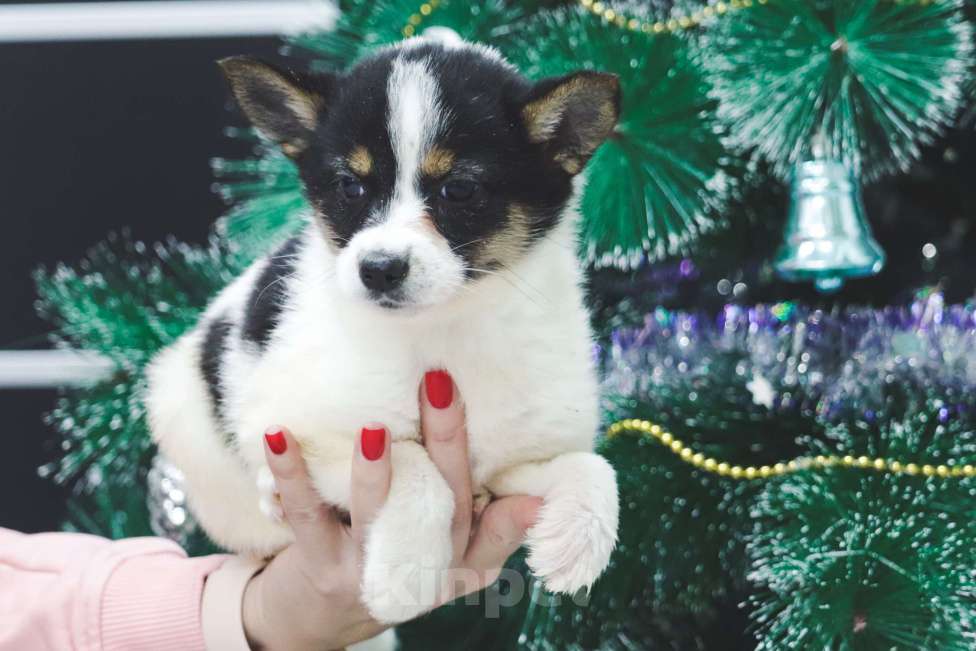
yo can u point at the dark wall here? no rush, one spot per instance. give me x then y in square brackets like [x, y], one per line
[94, 137]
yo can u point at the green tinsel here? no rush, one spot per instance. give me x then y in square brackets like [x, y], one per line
[267, 203]
[125, 301]
[872, 79]
[854, 559]
[659, 181]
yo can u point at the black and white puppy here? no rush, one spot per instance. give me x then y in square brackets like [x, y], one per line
[444, 189]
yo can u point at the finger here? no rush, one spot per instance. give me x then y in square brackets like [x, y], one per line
[316, 527]
[446, 440]
[370, 480]
[500, 532]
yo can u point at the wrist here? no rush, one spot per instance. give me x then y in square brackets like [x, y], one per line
[252, 615]
[268, 624]
[224, 598]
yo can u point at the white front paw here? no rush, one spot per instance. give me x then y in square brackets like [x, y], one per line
[269, 501]
[571, 543]
[403, 570]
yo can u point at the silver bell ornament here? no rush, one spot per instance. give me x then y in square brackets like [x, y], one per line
[827, 237]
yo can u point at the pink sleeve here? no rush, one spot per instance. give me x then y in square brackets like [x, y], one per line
[68, 592]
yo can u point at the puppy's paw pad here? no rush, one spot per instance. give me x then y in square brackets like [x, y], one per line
[570, 545]
[269, 501]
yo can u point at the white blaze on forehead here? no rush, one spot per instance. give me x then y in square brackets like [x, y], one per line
[445, 36]
[451, 41]
[415, 117]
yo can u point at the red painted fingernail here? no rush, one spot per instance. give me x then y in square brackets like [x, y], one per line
[440, 389]
[373, 441]
[276, 441]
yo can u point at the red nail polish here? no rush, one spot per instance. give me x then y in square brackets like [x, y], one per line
[276, 441]
[373, 441]
[440, 389]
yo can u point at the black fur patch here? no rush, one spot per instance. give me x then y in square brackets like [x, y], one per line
[268, 295]
[214, 345]
[357, 117]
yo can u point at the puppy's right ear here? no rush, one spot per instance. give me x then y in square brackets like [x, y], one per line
[284, 106]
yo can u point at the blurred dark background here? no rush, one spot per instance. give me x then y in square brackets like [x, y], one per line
[96, 137]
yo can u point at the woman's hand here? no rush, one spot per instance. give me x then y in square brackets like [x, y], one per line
[308, 596]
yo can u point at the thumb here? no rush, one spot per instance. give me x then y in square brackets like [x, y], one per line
[500, 533]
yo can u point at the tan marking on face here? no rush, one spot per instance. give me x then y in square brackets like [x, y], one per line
[507, 246]
[360, 161]
[325, 231]
[572, 164]
[438, 162]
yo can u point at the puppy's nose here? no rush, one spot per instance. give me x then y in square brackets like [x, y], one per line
[383, 273]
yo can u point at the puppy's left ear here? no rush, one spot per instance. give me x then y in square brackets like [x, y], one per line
[283, 105]
[572, 115]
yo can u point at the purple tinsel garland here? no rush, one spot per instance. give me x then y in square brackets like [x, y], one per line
[793, 356]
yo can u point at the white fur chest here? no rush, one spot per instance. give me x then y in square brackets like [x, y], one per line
[519, 353]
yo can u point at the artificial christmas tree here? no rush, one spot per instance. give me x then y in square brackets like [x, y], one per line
[806, 462]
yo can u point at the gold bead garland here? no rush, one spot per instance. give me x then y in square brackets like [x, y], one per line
[603, 10]
[413, 22]
[672, 25]
[686, 21]
[715, 466]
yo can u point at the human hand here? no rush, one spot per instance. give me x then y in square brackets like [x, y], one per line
[308, 597]
[483, 540]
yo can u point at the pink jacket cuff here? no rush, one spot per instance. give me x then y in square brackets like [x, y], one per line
[153, 601]
[79, 592]
[223, 598]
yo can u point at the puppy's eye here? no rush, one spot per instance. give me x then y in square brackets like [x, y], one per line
[352, 188]
[459, 191]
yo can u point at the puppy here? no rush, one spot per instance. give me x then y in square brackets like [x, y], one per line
[444, 187]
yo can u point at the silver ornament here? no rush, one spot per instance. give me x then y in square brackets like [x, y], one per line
[169, 516]
[827, 236]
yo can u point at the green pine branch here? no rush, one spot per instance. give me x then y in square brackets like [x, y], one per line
[850, 558]
[870, 81]
[660, 181]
